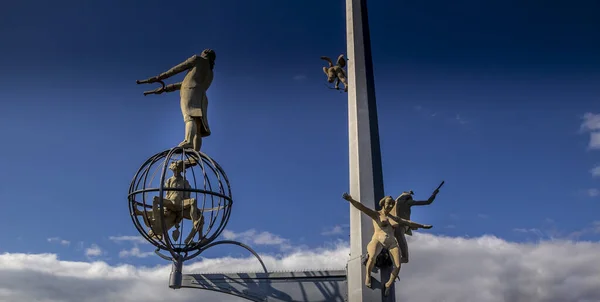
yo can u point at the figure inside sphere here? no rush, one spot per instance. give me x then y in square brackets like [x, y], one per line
[194, 102]
[177, 205]
[155, 229]
[384, 224]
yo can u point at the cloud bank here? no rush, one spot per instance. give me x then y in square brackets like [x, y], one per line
[484, 269]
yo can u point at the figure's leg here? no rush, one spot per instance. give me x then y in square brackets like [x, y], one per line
[146, 216]
[194, 216]
[342, 78]
[395, 253]
[190, 131]
[337, 83]
[197, 134]
[374, 248]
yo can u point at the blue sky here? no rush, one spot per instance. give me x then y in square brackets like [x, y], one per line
[489, 97]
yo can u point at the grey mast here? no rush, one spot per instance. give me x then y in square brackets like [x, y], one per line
[366, 176]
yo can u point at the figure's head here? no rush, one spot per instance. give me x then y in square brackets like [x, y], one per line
[210, 55]
[387, 203]
[405, 196]
[176, 166]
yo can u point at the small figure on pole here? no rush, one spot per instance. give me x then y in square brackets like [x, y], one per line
[194, 103]
[336, 72]
[384, 224]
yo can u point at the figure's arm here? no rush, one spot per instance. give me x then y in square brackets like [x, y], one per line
[187, 64]
[421, 202]
[424, 202]
[410, 223]
[173, 87]
[374, 215]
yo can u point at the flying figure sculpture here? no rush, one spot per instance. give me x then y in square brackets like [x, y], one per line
[336, 72]
[384, 224]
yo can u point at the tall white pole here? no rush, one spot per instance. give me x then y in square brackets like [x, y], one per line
[366, 176]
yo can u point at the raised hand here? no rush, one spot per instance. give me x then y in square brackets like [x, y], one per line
[346, 196]
[427, 226]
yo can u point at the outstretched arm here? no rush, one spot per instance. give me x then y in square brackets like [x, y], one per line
[424, 202]
[187, 64]
[421, 202]
[410, 223]
[374, 215]
[173, 87]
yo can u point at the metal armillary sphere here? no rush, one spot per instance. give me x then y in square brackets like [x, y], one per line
[180, 201]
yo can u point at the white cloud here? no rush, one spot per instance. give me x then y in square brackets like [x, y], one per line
[593, 192]
[132, 239]
[534, 231]
[594, 140]
[484, 269]
[595, 171]
[134, 252]
[591, 123]
[336, 230]
[258, 238]
[93, 251]
[460, 120]
[58, 240]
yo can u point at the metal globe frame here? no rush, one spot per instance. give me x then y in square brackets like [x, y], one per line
[221, 211]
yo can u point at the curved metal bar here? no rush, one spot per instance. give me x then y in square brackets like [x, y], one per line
[157, 252]
[204, 210]
[134, 184]
[147, 190]
[229, 242]
[161, 193]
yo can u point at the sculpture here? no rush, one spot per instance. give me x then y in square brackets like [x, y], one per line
[402, 209]
[176, 206]
[194, 103]
[384, 224]
[336, 72]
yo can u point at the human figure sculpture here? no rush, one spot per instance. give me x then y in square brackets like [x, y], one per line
[402, 209]
[194, 102]
[177, 205]
[155, 229]
[384, 224]
[336, 72]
